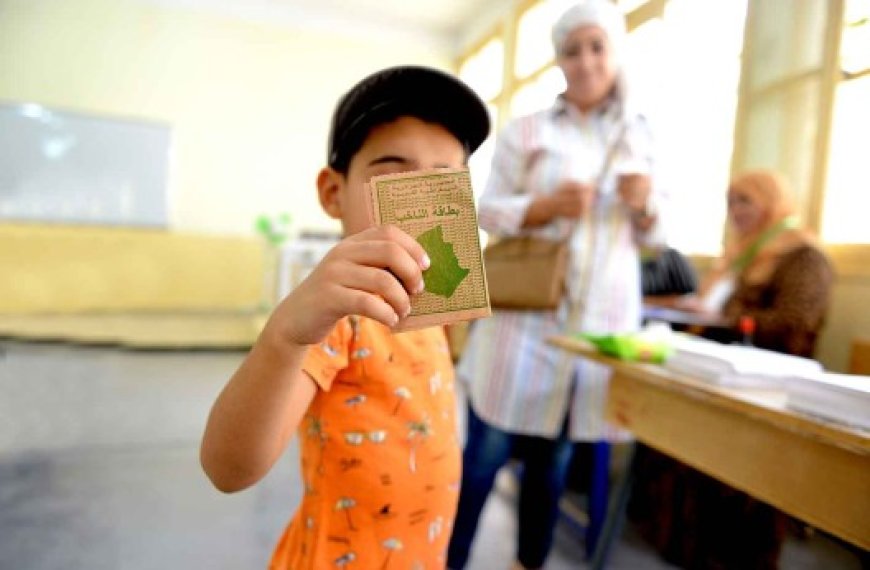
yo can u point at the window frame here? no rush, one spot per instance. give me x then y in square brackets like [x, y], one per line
[507, 30]
[850, 260]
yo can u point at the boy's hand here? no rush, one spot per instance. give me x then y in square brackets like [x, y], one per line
[371, 274]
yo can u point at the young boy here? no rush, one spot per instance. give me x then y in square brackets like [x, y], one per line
[374, 411]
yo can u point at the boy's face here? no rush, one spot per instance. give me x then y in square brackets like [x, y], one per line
[402, 145]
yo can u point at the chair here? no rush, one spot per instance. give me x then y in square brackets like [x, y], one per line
[859, 360]
[604, 501]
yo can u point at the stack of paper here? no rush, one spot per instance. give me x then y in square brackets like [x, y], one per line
[735, 365]
[843, 398]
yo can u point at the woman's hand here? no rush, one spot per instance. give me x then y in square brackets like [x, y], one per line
[371, 274]
[570, 199]
[689, 303]
[695, 304]
[634, 191]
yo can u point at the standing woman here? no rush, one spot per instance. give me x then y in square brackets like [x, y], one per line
[551, 176]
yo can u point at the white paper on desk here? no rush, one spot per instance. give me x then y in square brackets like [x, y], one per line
[718, 294]
[735, 365]
[844, 398]
[678, 317]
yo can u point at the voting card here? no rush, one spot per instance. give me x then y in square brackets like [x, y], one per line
[436, 207]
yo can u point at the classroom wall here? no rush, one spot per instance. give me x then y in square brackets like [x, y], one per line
[67, 270]
[848, 319]
[249, 102]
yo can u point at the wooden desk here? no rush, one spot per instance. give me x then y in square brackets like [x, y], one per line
[816, 471]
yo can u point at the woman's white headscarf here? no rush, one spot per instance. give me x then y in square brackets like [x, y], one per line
[607, 16]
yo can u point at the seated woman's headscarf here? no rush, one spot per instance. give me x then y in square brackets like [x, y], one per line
[753, 256]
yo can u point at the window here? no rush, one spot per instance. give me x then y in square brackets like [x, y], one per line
[791, 96]
[783, 89]
[534, 41]
[691, 49]
[630, 5]
[855, 46]
[847, 189]
[480, 161]
[803, 111]
[539, 93]
[684, 76]
[483, 71]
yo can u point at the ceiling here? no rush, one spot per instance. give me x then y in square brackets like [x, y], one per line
[439, 16]
[445, 22]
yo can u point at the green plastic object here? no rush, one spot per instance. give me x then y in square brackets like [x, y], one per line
[275, 229]
[633, 347]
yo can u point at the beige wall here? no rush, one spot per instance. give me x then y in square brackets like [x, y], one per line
[848, 319]
[68, 269]
[248, 103]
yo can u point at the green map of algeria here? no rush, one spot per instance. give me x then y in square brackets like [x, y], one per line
[444, 275]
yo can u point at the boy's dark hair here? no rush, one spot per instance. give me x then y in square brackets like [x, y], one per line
[421, 92]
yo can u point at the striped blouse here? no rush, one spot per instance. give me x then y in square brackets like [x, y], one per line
[515, 380]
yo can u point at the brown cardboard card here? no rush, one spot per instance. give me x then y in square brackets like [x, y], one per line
[436, 207]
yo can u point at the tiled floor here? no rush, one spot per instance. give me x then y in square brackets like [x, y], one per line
[99, 471]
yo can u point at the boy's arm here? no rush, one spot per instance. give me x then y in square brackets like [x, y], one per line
[256, 414]
[369, 274]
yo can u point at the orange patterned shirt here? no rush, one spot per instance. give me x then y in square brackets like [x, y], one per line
[380, 453]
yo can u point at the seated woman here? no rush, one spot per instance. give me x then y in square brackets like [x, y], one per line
[773, 272]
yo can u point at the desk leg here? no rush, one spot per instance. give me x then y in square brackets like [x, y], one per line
[616, 513]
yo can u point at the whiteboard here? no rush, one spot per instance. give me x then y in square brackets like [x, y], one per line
[64, 167]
